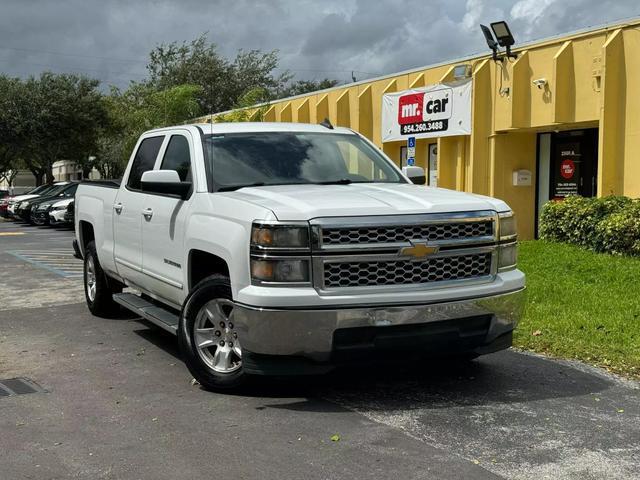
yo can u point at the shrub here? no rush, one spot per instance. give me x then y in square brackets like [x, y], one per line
[609, 224]
[619, 233]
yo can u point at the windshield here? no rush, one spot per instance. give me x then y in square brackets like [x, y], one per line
[38, 190]
[281, 158]
[70, 191]
[55, 190]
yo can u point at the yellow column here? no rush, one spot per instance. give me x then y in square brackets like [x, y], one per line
[521, 91]
[303, 113]
[563, 91]
[612, 118]
[286, 113]
[365, 113]
[322, 108]
[481, 129]
[270, 114]
[343, 110]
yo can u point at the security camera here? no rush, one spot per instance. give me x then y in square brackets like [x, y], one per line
[540, 83]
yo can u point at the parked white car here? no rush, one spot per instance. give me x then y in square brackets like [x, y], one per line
[273, 248]
[58, 211]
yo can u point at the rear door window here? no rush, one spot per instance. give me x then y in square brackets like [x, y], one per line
[144, 160]
[177, 157]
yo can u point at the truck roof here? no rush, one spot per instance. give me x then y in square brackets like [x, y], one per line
[244, 127]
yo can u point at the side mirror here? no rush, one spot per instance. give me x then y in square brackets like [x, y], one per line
[165, 182]
[415, 174]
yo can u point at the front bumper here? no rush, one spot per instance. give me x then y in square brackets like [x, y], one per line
[57, 217]
[40, 217]
[23, 214]
[279, 341]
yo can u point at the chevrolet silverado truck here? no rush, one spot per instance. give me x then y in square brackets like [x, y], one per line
[280, 249]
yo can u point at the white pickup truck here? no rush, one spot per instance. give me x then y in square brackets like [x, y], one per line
[273, 248]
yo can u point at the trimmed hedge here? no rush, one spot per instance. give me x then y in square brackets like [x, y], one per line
[609, 224]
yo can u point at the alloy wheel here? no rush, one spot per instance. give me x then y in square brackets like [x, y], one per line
[215, 337]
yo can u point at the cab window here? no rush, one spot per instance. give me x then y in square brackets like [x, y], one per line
[178, 158]
[144, 160]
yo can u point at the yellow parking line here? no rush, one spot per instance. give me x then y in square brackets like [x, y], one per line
[10, 234]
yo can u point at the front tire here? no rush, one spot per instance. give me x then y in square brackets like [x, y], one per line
[207, 336]
[98, 290]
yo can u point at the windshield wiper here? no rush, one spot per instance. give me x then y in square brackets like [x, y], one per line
[341, 181]
[230, 188]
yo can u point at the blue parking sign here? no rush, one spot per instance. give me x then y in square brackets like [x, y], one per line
[411, 142]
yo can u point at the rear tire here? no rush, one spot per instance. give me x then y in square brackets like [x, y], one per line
[98, 289]
[207, 337]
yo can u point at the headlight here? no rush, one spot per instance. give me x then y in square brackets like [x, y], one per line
[281, 270]
[508, 249]
[279, 236]
[507, 256]
[59, 207]
[270, 244]
[507, 227]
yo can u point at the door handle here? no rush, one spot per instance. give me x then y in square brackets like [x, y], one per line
[147, 213]
[118, 208]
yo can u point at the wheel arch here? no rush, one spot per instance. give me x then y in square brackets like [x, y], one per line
[202, 264]
[87, 234]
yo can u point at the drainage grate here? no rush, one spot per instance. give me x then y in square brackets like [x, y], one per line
[18, 386]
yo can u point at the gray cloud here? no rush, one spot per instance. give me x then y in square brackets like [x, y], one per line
[110, 39]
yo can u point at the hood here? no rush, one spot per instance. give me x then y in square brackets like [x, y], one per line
[46, 198]
[61, 203]
[304, 202]
[21, 198]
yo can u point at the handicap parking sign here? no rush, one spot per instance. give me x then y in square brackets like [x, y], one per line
[411, 150]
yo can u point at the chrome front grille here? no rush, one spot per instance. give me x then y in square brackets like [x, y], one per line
[358, 273]
[383, 252]
[403, 233]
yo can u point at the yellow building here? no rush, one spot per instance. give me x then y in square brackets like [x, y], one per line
[566, 110]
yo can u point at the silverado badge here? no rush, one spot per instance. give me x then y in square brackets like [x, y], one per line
[418, 250]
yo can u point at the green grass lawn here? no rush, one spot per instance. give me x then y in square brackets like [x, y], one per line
[581, 305]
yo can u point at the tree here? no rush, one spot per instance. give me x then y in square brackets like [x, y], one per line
[139, 108]
[9, 164]
[300, 87]
[245, 110]
[222, 82]
[53, 117]
[11, 113]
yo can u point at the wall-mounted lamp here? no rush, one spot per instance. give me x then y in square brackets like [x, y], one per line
[462, 71]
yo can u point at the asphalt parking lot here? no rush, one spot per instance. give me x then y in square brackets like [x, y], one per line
[117, 403]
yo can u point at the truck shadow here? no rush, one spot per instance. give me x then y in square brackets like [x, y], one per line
[506, 377]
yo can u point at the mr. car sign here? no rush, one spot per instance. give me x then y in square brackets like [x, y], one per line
[437, 110]
[414, 108]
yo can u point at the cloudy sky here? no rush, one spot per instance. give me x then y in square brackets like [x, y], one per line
[110, 39]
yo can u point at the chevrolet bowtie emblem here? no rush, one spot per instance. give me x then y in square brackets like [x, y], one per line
[418, 250]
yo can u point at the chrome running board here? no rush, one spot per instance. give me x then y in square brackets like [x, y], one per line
[159, 316]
